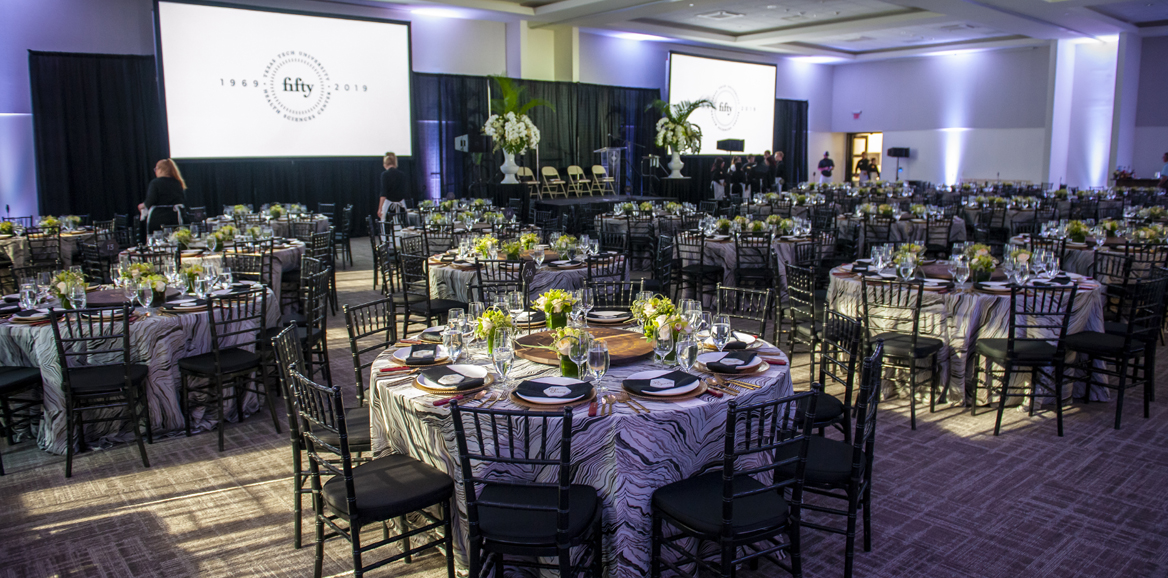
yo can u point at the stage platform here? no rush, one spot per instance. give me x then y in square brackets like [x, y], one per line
[564, 205]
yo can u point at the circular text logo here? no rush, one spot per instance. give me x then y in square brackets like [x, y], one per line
[296, 86]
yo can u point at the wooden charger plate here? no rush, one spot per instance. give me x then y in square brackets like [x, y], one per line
[487, 381]
[519, 401]
[624, 347]
[671, 398]
[762, 368]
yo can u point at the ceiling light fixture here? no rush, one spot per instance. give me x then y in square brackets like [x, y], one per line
[721, 15]
[639, 37]
[436, 12]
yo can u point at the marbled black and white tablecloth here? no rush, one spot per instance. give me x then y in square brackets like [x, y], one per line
[625, 456]
[904, 230]
[17, 248]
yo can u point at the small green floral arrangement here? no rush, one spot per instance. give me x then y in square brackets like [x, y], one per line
[1020, 255]
[756, 226]
[771, 197]
[491, 321]
[982, 264]
[296, 209]
[976, 250]
[1110, 226]
[276, 211]
[7, 228]
[479, 203]
[868, 208]
[49, 224]
[674, 208]
[1025, 201]
[782, 226]
[917, 209]
[137, 271]
[493, 217]
[73, 220]
[439, 219]
[555, 302]
[800, 199]
[446, 206]
[646, 206]
[484, 245]
[741, 221]
[886, 210]
[254, 232]
[528, 241]
[512, 249]
[182, 237]
[1062, 194]
[157, 282]
[190, 272]
[427, 205]
[911, 250]
[1152, 213]
[227, 233]
[659, 313]
[1077, 231]
[241, 210]
[723, 226]
[63, 285]
[625, 208]
[1155, 234]
[564, 244]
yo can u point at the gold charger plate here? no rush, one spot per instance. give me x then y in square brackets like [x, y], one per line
[519, 401]
[671, 398]
[487, 381]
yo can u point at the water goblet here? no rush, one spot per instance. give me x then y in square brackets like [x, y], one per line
[503, 356]
[720, 331]
[663, 345]
[77, 296]
[598, 361]
[28, 295]
[578, 351]
[687, 352]
[452, 340]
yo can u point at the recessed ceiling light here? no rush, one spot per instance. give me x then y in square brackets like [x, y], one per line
[721, 15]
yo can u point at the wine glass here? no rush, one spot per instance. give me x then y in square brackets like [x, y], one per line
[145, 294]
[476, 310]
[28, 295]
[202, 287]
[960, 272]
[598, 361]
[720, 331]
[537, 255]
[503, 356]
[452, 340]
[587, 302]
[905, 267]
[578, 350]
[77, 296]
[704, 322]
[663, 344]
[455, 317]
[687, 353]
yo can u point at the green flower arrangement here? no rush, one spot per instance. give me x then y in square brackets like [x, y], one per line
[137, 271]
[228, 232]
[528, 241]
[565, 338]
[488, 325]
[1062, 194]
[980, 267]
[484, 245]
[49, 224]
[297, 209]
[625, 209]
[868, 208]
[756, 227]
[439, 219]
[158, 285]
[660, 314]
[254, 232]
[976, 250]
[1153, 234]
[241, 210]
[564, 244]
[1020, 255]
[512, 249]
[886, 210]
[427, 205]
[800, 199]
[479, 203]
[912, 250]
[63, 285]
[675, 208]
[770, 197]
[555, 304]
[1077, 231]
[1109, 225]
[446, 206]
[741, 221]
[1152, 213]
[182, 237]
[646, 206]
[722, 225]
[7, 228]
[73, 220]
[918, 210]
[493, 217]
[276, 211]
[782, 226]
[192, 271]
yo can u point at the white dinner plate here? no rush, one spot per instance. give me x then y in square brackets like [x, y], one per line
[471, 371]
[402, 354]
[652, 373]
[750, 340]
[567, 381]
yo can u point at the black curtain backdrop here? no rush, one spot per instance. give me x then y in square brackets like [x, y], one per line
[96, 131]
[99, 130]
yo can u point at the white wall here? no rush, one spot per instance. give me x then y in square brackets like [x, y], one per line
[1151, 134]
[1092, 113]
[949, 156]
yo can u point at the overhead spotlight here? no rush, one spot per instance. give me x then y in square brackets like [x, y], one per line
[638, 36]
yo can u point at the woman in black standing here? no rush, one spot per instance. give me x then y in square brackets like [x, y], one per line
[165, 197]
[718, 178]
[394, 187]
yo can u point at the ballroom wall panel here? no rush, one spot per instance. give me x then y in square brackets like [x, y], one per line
[952, 155]
[1151, 109]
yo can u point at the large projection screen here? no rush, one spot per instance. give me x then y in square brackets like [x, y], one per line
[743, 96]
[245, 83]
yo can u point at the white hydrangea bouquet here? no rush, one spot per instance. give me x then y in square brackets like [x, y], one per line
[674, 130]
[509, 125]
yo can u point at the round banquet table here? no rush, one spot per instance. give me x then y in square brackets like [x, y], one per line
[904, 230]
[448, 281]
[662, 224]
[17, 248]
[625, 456]
[960, 317]
[1079, 258]
[159, 341]
[724, 254]
[281, 227]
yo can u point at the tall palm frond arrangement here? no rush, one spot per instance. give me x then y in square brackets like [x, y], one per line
[674, 129]
[509, 125]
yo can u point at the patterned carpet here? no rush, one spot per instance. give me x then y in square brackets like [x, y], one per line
[950, 498]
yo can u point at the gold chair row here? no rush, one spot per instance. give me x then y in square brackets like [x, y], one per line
[578, 183]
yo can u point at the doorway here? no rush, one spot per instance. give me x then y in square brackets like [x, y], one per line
[861, 142]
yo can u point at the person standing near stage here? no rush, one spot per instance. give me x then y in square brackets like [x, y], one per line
[826, 166]
[165, 197]
[394, 187]
[1164, 173]
[779, 171]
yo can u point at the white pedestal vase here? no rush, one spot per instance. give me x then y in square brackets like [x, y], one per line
[509, 169]
[675, 164]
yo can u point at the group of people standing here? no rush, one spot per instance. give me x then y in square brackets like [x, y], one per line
[748, 175]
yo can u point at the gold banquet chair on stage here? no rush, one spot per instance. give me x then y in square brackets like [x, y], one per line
[601, 182]
[553, 185]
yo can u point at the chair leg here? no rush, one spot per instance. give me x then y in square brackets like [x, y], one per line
[355, 530]
[219, 403]
[564, 561]
[867, 505]
[597, 551]
[131, 401]
[404, 527]
[185, 401]
[850, 535]
[1121, 366]
[934, 369]
[270, 400]
[912, 393]
[1149, 378]
[1057, 386]
[70, 433]
[796, 552]
[655, 554]
[297, 496]
[1007, 373]
[726, 564]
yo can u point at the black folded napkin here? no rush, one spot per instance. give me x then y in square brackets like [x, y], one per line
[447, 378]
[645, 386]
[185, 303]
[735, 345]
[11, 298]
[432, 334]
[422, 354]
[745, 356]
[10, 309]
[536, 389]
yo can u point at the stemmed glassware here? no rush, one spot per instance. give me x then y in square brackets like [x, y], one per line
[720, 331]
[578, 351]
[663, 345]
[537, 255]
[452, 340]
[598, 361]
[145, 295]
[587, 302]
[687, 352]
[503, 356]
[28, 295]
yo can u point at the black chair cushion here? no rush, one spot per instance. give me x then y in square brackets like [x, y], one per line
[1023, 350]
[697, 504]
[357, 426]
[1115, 327]
[14, 379]
[1102, 344]
[104, 378]
[389, 487]
[827, 408]
[436, 305]
[293, 317]
[531, 527]
[829, 462]
[232, 360]
[699, 269]
[900, 345]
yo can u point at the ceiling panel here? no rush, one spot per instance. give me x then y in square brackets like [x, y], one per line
[747, 16]
[907, 36]
[1137, 11]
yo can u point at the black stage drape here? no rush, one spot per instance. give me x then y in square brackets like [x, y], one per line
[447, 106]
[96, 131]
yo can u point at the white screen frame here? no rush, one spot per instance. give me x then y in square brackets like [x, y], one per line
[769, 145]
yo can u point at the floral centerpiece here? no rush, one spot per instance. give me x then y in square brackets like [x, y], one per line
[182, 237]
[528, 241]
[1077, 231]
[488, 325]
[74, 221]
[741, 221]
[1110, 226]
[137, 271]
[981, 263]
[867, 208]
[675, 208]
[158, 286]
[886, 210]
[276, 211]
[564, 245]
[723, 226]
[63, 285]
[646, 206]
[660, 314]
[7, 228]
[800, 199]
[447, 206]
[1154, 234]
[781, 226]
[674, 130]
[241, 210]
[427, 205]
[485, 245]
[190, 272]
[555, 304]
[493, 217]
[770, 197]
[917, 209]
[509, 125]
[1152, 213]
[565, 338]
[512, 249]
[1062, 194]
[479, 203]
[255, 232]
[1020, 256]
[297, 209]
[755, 227]
[49, 224]
[910, 250]
[624, 209]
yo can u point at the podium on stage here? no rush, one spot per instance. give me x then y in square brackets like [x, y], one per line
[610, 159]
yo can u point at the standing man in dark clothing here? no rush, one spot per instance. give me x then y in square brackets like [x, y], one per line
[394, 187]
[865, 167]
[826, 166]
[779, 171]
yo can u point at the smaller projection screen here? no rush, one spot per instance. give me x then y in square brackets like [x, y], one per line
[247, 83]
[743, 96]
